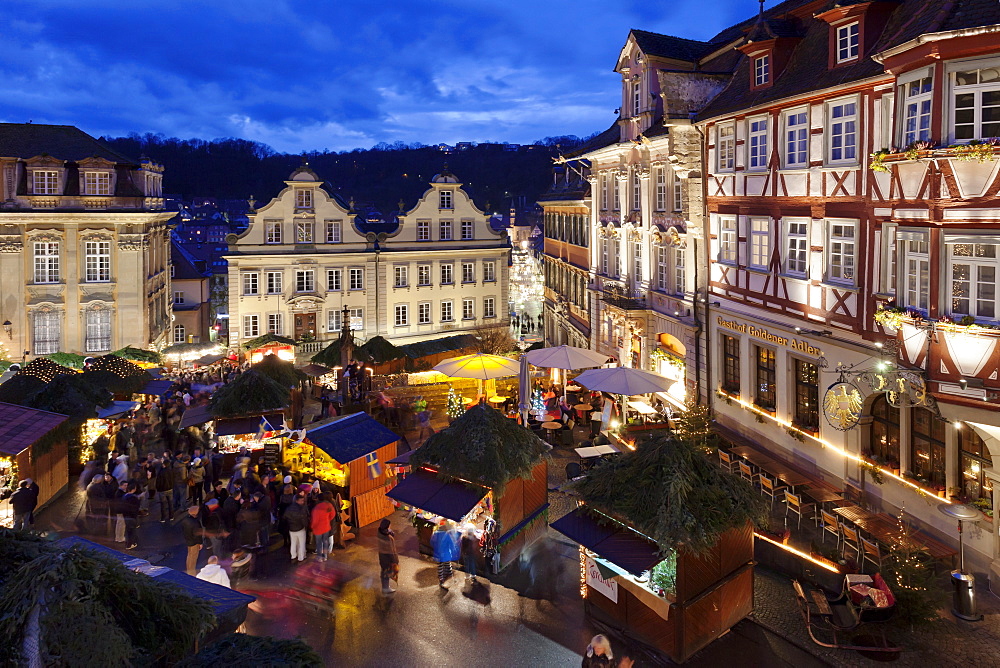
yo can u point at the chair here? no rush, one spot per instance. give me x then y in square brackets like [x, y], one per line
[747, 473]
[793, 502]
[768, 488]
[851, 540]
[725, 460]
[573, 471]
[870, 551]
[566, 438]
[830, 525]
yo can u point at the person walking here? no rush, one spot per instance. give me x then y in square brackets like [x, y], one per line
[470, 551]
[388, 559]
[215, 530]
[445, 545]
[129, 508]
[193, 538]
[213, 572]
[197, 481]
[116, 510]
[164, 485]
[97, 505]
[297, 519]
[180, 491]
[322, 525]
[22, 502]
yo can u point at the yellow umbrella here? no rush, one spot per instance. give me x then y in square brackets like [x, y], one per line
[480, 366]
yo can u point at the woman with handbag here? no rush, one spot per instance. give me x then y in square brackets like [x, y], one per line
[388, 560]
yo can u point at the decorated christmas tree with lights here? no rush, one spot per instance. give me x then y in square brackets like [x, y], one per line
[537, 403]
[455, 407]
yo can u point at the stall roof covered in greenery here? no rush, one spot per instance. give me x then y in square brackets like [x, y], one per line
[269, 339]
[282, 372]
[251, 393]
[482, 446]
[139, 355]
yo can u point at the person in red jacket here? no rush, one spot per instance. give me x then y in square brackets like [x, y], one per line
[323, 515]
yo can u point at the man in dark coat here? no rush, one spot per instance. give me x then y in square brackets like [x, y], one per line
[194, 535]
[164, 485]
[129, 508]
[22, 501]
[97, 505]
[230, 511]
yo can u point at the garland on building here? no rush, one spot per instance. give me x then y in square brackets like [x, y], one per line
[455, 407]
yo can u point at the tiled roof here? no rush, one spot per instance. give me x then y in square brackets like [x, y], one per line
[667, 46]
[65, 142]
[185, 264]
[21, 426]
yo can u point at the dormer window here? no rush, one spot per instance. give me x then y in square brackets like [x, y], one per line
[762, 70]
[96, 183]
[636, 98]
[445, 200]
[44, 182]
[847, 42]
[303, 198]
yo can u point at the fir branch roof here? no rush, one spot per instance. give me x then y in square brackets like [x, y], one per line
[380, 350]
[117, 374]
[669, 490]
[282, 372]
[139, 355]
[482, 446]
[266, 339]
[69, 360]
[251, 393]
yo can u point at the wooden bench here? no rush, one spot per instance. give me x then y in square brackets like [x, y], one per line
[822, 604]
[934, 547]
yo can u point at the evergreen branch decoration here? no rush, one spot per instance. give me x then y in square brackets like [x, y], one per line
[251, 393]
[282, 372]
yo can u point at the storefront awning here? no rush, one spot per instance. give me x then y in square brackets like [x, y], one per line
[402, 459]
[610, 540]
[116, 409]
[196, 415]
[211, 358]
[426, 491]
[249, 425]
[351, 437]
[156, 388]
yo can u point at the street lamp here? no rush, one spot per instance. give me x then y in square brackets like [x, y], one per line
[9, 328]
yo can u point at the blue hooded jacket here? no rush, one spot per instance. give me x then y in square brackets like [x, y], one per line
[445, 543]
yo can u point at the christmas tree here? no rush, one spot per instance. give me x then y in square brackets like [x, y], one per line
[455, 407]
[537, 403]
[694, 424]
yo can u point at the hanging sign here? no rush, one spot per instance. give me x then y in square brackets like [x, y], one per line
[597, 582]
[842, 405]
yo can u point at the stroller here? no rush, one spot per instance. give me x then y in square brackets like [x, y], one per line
[863, 600]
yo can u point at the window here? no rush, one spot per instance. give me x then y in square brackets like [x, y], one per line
[178, 297]
[274, 282]
[180, 335]
[604, 256]
[761, 70]
[726, 147]
[975, 459]
[423, 274]
[423, 230]
[636, 261]
[446, 274]
[424, 313]
[98, 330]
[251, 326]
[661, 189]
[45, 183]
[274, 323]
[678, 193]
[764, 390]
[468, 228]
[977, 104]
[758, 143]
[303, 198]
[843, 132]
[760, 242]
[847, 42]
[616, 255]
[305, 280]
[468, 309]
[468, 272]
[334, 280]
[617, 193]
[489, 271]
[46, 262]
[917, 271]
[916, 96]
[272, 231]
[445, 228]
[661, 268]
[731, 364]
[636, 97]
[446, 312]
[97, 258]
[97, 183]
[727, 239]
[445, 200]
[796, 139]
[974, 279]
[334, 321]
[841, 258]
[333, 231]
[884, 442]
[400, 276]
[356, 278]
[45, 325]
[680, 274]
[797, 240]
[489, 307]
[928, 451]
[357, 319]
[402, 315]
[636, 190]
[251, 283]
[604, 192]
[806, 395]
[303, 232]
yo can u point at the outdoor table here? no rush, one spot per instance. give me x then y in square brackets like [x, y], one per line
[822, 495]
[497, 400]
[642, 408]
[592, 451]
[855, 514]
[582, 410]
[551, 425]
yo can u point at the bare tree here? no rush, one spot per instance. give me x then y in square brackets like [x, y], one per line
[494, 339]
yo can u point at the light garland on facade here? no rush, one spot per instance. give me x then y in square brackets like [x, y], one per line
[826, 444]
[798, 553]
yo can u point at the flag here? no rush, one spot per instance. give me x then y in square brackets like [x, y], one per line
[374, 465]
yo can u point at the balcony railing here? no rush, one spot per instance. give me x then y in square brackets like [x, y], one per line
[620, 296]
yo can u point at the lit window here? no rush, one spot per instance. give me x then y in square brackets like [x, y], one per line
[303, 232]
[445, 200]
[44, 182]
[840, 268]
[96, 183]
[250, 283]
[305, 280]
[468, 272]
[489, 307]
[973, 269]
[797, 240]
[446, 312]
[446, 274]
[727, 239]
[917, 271]
[758, 143]
[272, 231]
[424, 313]
[796, 139]
[274, 323]
[333, 231]
[423, 274]
[726, 148]
[98, 330]
[400, 276]
[402, 315]
[46, 262]
[46, 334]
[303, 198]
[178, 297]
[843, 132]
[423, 230]
[334, 280]
[357, 279]
[976, 96]
[274, 281]
[357, 319]
[760, 242]
[847, 42]
[916, 110]
[764, 394]
[468, 309]
[731, 364]
[489, 271]
[445, 228]
[251, 326]
[97, 257]
[806, 395]
[761, 70]
[467, 230]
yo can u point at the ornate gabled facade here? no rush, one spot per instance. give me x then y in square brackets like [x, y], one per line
[852, 299]
[438, 268]
[84, 244]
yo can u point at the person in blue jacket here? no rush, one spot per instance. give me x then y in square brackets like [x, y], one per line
[445, 544]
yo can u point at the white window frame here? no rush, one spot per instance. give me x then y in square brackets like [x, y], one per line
[305, 280]
[680, 271]
[661, 268]
[489, 271]
[760, 243]
[915, 290]
[468, 308]
[250, 283]
[423, 275]
[446, 199]
[178, 296]
[357, 316]
[636, 261]
[444, 230]
[725, 147]
[844, 130]
[334, 280]
[604, 255]
[251, 326]
[275, 323]
[604, 191]
[976, 90]
[762, 69]
[636, 98]
[96, 183]
[447, 311]
[272, 231]
[46, 261]
[424, 313]
[303, 198]
[847, 42]
[728, 239]
[489, 307]
[678, 193]
[97, 261]
[795, 146]
[44, 182]
[757, 133]
[180, 333]
[423, 230]
[636, 190]
[402, 315]
[468, 272]
[334, 231]
[98, 323]
[660, 176]
[400, 276]
[334, 320]
[468, 230]
[796, 246]
[616, 194]
[841, 262]
[915, 92]
[983, 275]
[303, 232]
[46, 332]
[447, 273]
[356, 278]
[275, 282]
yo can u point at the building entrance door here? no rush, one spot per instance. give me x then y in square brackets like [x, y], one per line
[305, 324]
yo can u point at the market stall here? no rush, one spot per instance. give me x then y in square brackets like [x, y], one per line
[349, 453]
[483, 469]
[21, 428]
[672, 567]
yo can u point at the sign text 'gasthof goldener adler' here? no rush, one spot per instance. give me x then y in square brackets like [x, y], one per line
[777, 339]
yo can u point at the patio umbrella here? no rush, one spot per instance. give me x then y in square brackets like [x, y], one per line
[565, 357]
[624, 380]
[480, 366]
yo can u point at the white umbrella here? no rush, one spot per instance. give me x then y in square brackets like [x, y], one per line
[624, 380]
[565, 357]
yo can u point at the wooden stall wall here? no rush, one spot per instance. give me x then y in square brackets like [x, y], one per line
[520, 499]
[630, 618]
[372, 506]
[360, 482]
[50, 471]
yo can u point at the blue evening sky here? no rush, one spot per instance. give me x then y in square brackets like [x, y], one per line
[330, 74]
